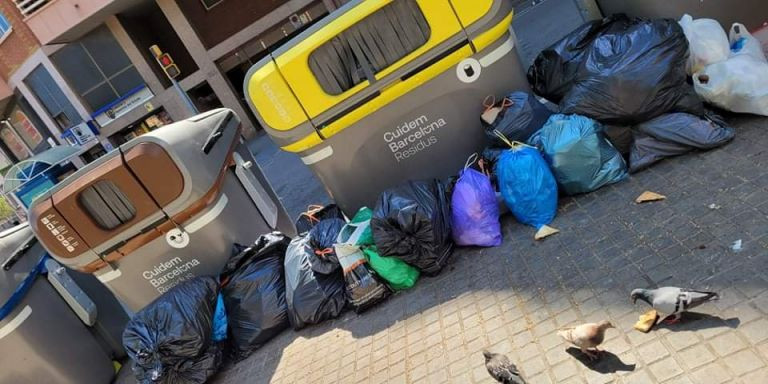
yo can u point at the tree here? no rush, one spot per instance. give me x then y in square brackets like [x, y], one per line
[6, 210]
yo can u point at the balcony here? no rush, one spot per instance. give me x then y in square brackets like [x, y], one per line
[63, 21]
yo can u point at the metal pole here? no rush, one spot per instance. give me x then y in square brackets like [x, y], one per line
[184, 96]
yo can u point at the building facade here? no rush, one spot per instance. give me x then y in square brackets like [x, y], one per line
[22, 133]
[81, 71]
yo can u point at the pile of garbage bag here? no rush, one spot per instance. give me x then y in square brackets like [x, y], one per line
[254, 294]
[397, 273]
[413, 222]
[728, 71]
[581, 158]
[630, 75]
[171, 340]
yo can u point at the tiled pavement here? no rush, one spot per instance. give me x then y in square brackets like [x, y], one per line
[512, 298]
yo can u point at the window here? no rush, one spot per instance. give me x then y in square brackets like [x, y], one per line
[53, 99]
[24, 127]
[97, 69]
[369, 46]
[28, 7]
[5, 26]
[107, 205]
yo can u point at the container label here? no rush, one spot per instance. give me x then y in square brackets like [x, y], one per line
[412, 137]
[168, 274]
[60, 232]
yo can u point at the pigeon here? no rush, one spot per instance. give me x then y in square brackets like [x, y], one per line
[673, 301]
[586, 336]
[501, 369]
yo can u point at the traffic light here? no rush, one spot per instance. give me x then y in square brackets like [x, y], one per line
[169, 67]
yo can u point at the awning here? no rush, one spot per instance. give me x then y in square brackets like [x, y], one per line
[26, 170]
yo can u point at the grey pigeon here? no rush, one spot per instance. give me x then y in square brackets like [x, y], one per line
[673, 301]
[501, 369]
[586, 336]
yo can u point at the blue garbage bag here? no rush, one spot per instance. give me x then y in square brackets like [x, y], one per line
[220, 320]
[527, 185]
[474, 211]
[581, 157]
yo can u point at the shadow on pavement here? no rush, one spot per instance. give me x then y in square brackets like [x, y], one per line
[260, 367]
[694, 321]
[606, 363]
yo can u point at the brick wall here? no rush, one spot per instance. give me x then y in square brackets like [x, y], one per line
[17, 46]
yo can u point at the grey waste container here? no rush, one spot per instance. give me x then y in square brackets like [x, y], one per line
[751, 13]
[380, 92]
[161, 209]
[42, 340]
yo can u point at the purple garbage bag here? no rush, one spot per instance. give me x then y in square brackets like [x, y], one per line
[475, 211]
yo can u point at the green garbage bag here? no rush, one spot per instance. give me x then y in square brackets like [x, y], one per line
[398, 274]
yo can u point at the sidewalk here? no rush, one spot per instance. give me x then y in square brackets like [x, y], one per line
[512, 298]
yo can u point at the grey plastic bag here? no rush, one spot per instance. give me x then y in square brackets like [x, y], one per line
[674, 134]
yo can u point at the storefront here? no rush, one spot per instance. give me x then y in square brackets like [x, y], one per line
[146, 124]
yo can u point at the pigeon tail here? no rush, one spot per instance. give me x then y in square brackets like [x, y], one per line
[566, 334]
[704, 296]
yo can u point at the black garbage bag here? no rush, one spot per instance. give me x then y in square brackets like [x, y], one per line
[413, 222]
[620, 137]
[674, 134]
[321, 239]
[554, 70]
[311, 297]
[520, 115]
[632, 75]
[488, 158]
[364, 287]
[170, 340]
[254, 295]
[316, 214]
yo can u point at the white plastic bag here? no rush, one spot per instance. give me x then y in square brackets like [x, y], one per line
[739, 84]
[707, 41]
[743, 43]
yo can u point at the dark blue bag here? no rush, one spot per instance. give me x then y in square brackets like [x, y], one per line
[520, 116]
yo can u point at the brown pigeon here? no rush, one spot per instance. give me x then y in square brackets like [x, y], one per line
[586, 336]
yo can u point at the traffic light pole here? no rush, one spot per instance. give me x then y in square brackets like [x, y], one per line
[156, 53]
[184, 96]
